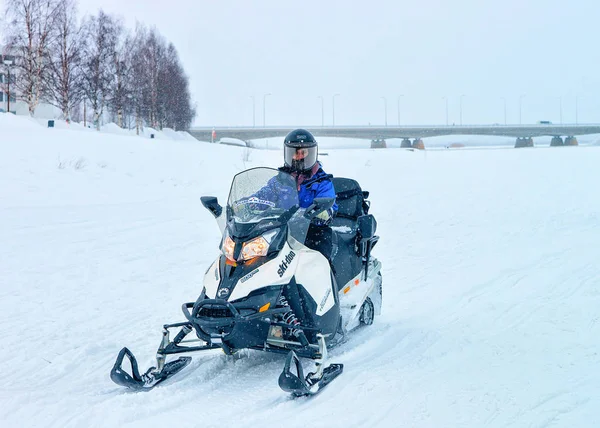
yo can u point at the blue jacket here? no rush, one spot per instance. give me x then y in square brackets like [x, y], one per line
[317, 186]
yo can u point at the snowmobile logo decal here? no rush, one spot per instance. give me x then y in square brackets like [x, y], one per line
[250, 275]
[285, 263]
[325, 299]
[223, 292]
[255, 200]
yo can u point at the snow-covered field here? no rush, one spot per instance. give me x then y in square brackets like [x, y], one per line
[491, 286]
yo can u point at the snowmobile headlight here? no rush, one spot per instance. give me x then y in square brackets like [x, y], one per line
[228, 247]
[258, 246]
[255, 248]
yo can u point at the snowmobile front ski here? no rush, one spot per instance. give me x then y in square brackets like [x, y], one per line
[163, 370]
[313, 383]
[148, 380]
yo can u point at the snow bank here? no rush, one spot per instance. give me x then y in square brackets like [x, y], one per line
[490, 267]
[24, 121]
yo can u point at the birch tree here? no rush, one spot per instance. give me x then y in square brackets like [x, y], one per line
[64, 82]
[101, 35]
[29, 26]
[139, 83]
[121, 86]
[175, 108]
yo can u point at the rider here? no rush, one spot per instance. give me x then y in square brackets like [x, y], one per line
[300, 160]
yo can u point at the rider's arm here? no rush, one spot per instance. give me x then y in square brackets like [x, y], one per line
[325, 189]
[269, 191]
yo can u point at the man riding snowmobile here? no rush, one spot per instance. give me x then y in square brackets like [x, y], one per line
[269, 290]
[301, 162]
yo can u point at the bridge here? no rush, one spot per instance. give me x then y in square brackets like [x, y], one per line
[523, 133]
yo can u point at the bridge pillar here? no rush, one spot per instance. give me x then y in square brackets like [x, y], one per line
[571, 141]
[418, 144]
[524, 142]
[378, 143]
[405, 144]
[556, 142]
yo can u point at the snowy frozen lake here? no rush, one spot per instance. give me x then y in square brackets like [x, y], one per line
[491, 286]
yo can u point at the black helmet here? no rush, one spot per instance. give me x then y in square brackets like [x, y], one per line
[300, 150]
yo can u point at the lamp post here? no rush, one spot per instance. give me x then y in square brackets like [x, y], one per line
[446, 98]
[333, 106]
[253, 111]
[461, 98]
[576, 109]
[265, 109]
[504, 99]
[385, 108]
[520, 104]
[399, 96]
[560, 107]
[322, 111]
[8, 63]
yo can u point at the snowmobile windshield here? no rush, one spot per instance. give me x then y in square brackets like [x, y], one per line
[260, 194]
[262, 199]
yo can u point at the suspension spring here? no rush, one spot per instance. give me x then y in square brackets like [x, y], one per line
[289, 317]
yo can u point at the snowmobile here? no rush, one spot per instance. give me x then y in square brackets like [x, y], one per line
[268, 291]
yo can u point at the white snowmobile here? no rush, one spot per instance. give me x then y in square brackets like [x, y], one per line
[268, 291]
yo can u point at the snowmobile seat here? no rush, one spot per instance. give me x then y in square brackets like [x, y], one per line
[352, 204]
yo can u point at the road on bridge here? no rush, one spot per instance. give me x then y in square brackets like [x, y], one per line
[402, 132]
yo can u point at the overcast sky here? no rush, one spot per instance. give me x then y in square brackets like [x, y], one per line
[365, 50]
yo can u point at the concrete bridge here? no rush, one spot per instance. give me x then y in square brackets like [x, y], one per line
[523, 133]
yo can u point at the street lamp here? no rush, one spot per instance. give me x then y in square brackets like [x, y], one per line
[399, 96]
[385, 108]
[446, 98]
[504, 99]
[576, 109]
[333, 106]
[560, 106]
[520, 98]
[8, 63]
[265, 109]
[322, 111]
[253, 111]
[461, 97]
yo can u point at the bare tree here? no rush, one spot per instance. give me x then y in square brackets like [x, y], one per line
[139, 85]
[161, 86]
[175, 106]
[64, 82]
[101, 35]
[29, 24]
[148, 63]
[120, 89]
[135, 77]
[154, 55]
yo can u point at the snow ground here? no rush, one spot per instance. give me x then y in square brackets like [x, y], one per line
[491, 286]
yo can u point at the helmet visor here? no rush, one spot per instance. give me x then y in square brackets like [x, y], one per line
[300, 158]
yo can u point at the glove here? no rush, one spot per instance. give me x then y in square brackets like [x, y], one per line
[322, 219]
[324, 216]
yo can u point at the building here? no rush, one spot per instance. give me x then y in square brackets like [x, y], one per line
[17, 105]
[6, 70]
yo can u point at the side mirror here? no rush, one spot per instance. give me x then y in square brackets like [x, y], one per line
[318, 206]
[211, 203]
[367, 225]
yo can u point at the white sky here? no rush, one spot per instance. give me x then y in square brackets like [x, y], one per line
[425, 50]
